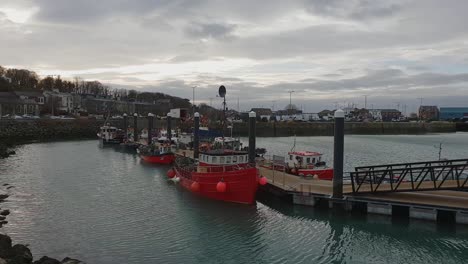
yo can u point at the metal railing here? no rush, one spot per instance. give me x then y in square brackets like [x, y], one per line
[418, 176]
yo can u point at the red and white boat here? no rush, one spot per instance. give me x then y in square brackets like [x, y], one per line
[301, 163]
[157, 153]
[220, 174]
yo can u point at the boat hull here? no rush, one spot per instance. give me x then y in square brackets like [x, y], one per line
[159, 159]
[241, 185]
[317, 173]
[321, 174]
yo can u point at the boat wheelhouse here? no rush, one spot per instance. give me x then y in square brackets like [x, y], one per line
[110, 135]
[163, 137]
[301, 163]
[157, 153]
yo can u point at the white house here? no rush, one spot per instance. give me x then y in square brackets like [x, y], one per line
[63, 101]
[376, 114]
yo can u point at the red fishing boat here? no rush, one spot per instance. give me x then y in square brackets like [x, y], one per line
[157, 153]
[221, 174]
[301, 163]
[221, 171]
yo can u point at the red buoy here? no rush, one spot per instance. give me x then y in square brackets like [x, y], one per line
[263, 180]
[171, 173]
[221, 186]
[195, 186]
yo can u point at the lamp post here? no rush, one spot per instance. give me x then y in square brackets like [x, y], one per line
[193, 99]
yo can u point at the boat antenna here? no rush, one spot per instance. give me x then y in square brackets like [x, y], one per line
[294, 145]
[222, 93]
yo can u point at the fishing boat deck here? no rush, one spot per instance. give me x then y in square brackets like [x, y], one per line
[185, 153]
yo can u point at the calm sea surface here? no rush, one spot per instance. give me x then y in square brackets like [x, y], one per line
[103, 206]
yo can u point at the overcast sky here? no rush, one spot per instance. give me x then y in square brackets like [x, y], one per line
[328, 51]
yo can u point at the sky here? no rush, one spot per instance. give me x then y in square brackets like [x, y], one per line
[331, 53]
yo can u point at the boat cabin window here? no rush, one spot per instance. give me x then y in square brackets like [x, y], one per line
[290, 157]
[221, 160]
[228, 160]
[313, 160]
[241, 159]
[234, 159]
[308, 160]
[214, 160]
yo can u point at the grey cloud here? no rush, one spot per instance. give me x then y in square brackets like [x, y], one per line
[354, 9]
[210, 30]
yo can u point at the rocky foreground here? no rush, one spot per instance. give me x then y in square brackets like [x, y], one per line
[21, 254]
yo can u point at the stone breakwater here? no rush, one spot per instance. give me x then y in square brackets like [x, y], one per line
[25, 130]
[282, 129]
[57, 129]
[20, 254]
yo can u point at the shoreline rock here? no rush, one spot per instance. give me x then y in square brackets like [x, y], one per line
[21, 254]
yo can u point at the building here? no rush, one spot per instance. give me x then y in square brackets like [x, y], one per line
[453, 113]
[12, 104]
[389, 115]
[59, 103]
[376, 114]
[36, 96]
[428, 112]
[262, 111]
[385, 115]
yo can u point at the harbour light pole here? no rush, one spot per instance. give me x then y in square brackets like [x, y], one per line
[365, 101]
[290, 102]
[193, 99]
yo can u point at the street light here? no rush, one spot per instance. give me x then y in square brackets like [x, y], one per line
[193, 99]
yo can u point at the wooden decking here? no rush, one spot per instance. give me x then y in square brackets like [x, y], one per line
[440, 198]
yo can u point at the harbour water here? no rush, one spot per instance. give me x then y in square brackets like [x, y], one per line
[104, 206]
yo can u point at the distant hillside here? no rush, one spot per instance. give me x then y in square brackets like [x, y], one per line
[22, 79]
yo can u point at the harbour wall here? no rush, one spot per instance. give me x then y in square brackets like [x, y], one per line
[56, 129]
[280, 129]
[60, 129]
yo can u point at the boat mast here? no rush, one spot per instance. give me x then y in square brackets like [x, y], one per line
[222, 93]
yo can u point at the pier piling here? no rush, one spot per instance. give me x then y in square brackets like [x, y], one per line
[252, 136]
[196, 135]
[338, 155]
[169, 127]
[125, 125]
[150, 127]
[135, 127]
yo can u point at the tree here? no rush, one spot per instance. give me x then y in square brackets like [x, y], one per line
[22, 79]
[132, 94]
[46, 84]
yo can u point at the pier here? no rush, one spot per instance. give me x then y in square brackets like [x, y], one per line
[425, 190]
